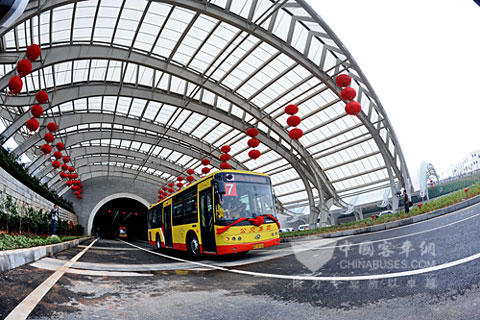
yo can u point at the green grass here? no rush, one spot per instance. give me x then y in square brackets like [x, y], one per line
[432, 205]
[11, 242]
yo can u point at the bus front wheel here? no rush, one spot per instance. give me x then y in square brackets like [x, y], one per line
[193, 247]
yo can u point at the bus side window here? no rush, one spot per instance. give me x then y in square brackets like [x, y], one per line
[177, 211]
[153, 215]
[190, 207]
[158, 214]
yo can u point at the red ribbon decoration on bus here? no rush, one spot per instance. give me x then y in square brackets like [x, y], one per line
[258, 221]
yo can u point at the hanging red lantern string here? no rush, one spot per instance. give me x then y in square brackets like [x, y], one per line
[37, 110]
[252, 132]
[224, 166]
[293, 121]
[295, 133]
[253, 143]
[348, 94]
[46, 149]
[41, 96]
[60, 146]
[343, 80]
[254, 154]
[291, 109]
[353, 108]
[32, 125]
[15, 84]
[63, 175]
[24, 67]
[55, 164]
[33, 52]
[52, 126]
[49, 137]
[66, 159]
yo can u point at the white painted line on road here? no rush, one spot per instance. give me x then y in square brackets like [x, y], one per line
[325, 278]
[24, 308]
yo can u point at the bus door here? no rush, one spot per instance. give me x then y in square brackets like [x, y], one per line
[167, 224]
[206, 221]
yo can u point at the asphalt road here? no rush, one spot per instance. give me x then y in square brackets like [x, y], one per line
[385, 274]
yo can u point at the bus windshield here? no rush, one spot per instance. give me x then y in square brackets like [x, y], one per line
[246, 196]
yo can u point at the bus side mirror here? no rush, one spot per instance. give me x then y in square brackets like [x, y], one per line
[221, 187]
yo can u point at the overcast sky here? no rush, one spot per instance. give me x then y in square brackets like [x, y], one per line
[423, 61]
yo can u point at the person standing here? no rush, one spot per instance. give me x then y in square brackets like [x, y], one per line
[54, 217]
[407, 201]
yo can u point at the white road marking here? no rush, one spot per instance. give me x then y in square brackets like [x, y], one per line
[324, 278]
[24, 308]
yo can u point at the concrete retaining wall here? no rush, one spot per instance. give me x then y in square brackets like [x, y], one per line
[25, 197]
[11, 259]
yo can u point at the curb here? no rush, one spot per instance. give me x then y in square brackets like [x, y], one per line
[390, 225]
[11, 259]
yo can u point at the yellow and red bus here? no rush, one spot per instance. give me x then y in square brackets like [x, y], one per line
[228, 211]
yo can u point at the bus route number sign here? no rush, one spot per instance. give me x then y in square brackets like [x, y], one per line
[230, 189]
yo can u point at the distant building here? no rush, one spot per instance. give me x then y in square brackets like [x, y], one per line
[468, 164]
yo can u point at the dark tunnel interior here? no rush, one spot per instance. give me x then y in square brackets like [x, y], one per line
[121, 214]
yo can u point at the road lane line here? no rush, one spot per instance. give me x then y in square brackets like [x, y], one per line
[324, 278]
[24, 308]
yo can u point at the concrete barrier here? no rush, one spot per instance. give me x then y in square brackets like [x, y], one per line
[11, 259]
[390, 225]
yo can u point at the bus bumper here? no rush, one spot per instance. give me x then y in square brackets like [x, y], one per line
[242, 247]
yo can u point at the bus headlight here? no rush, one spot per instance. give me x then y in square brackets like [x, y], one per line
[233, 238]
[239, 238]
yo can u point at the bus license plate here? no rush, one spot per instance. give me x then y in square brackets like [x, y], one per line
[258, 246]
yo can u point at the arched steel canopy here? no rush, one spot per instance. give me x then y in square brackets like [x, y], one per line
[147, 88]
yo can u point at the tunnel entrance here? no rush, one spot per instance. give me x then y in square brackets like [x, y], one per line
[121, 218]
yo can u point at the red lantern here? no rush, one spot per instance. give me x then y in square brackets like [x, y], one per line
[66, 159]
[252, 132]
[63, 175]
[171, 185]
[68, 183]
[348, 93]
[205, 170]
[64, 167]
[353, 108]
[224, 166]
[79, 196]
[52, 126]
[253, 143]
[165, 188]
[291, 109]
[37, 110]
[57, 155]
[179, 184]
[160, 191]
[41, 96]
[205, 162]
[32, 124]
[293, 121]
[71, 169]
[179, 178]
[24, 67]
[75, 176]
[190, 178]
[254, 154]
[60, 146]
[295, 133]
[46, 149]
[190, 171]
[77, 193]
[55, 164]
[343, 80]
[171, 190]
[15, 84]
[69, 176]
[225, 157]
[33, 52]
[225, 149]
[48, 137]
